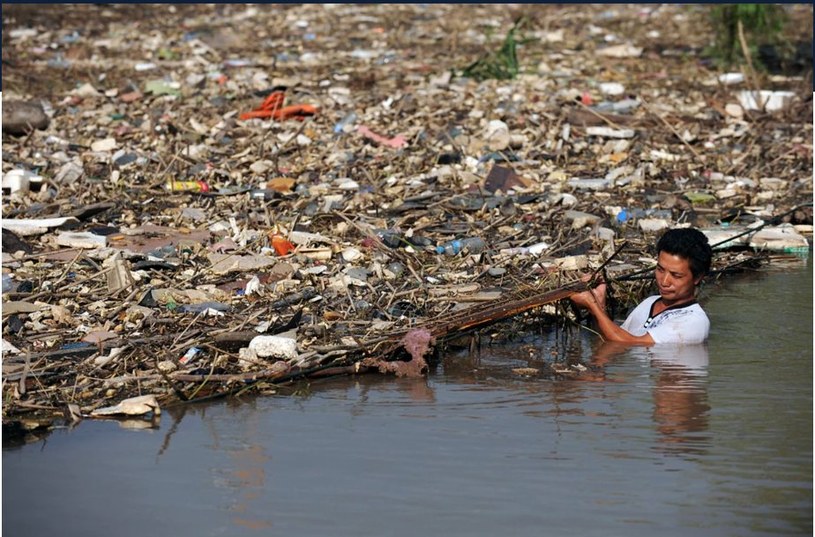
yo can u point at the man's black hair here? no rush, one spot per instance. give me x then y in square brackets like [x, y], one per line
[691, 244]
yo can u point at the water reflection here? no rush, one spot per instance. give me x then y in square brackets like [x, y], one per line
[677, 381]
[680, 391]
[242, 475]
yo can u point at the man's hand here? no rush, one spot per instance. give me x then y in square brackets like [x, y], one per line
[587, 299]
[595, 301]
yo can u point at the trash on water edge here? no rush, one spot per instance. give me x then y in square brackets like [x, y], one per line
[135, 406]
[783, 238]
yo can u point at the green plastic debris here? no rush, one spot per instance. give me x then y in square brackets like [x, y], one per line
[161, 87]
[700, 198]
[165, 53]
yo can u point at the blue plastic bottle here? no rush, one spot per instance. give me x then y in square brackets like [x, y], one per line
[473, 245]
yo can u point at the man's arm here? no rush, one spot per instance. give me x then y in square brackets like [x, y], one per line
[594, 301]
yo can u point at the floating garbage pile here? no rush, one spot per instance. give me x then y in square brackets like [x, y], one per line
[203, 200]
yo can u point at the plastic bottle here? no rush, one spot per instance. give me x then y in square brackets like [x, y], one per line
[344, 122]
[421, 242]
[8, 283]
[203, 306]
[633, 214]
[473, 245]
[391, 239]
[534, 249]
[619, 107]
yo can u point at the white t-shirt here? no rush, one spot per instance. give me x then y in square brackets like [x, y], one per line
[684, 324]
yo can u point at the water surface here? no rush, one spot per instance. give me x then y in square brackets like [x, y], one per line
[714, 440]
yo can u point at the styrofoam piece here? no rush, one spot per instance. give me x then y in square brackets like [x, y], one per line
[82, 240]
[36, 226]
[19, 180]
[781, 238]
[771, 101]
[726, 237]
[135, 406]
[274, 347]
[731, 78]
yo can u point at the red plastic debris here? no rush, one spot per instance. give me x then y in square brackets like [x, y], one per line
[281, 245]
[272, 107]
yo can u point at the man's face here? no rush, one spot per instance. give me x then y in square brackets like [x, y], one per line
[675, 279]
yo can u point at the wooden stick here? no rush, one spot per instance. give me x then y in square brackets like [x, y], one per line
[479, 317]
[601, 117]
[746, 51]
[25, 373]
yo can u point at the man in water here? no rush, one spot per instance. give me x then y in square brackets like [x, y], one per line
[672, 316]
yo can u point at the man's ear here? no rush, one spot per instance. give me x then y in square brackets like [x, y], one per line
[697, 281]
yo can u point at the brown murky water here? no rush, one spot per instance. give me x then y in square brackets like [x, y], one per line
[711, 441]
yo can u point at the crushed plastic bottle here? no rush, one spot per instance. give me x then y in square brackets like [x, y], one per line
[395, 239]
[473, 245]
[633, 214]
[344, 122]
[203, 307]
[624, 106]
[534, 249]
[420, 242]
[391, 239]
[8, 283]
[59, 62]
[590, 183]
[161, 253]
